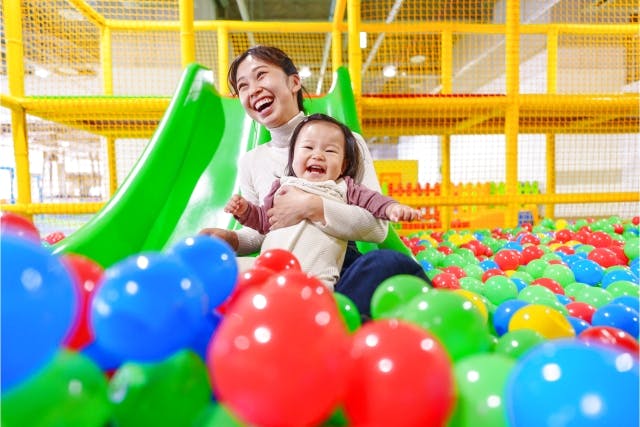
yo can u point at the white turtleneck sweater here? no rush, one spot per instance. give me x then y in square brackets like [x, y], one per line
[258, 168]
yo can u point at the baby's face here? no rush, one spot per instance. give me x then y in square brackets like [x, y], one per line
[319, 152]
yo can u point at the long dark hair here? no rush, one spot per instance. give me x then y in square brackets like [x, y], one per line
[269, 54]
[351, 150]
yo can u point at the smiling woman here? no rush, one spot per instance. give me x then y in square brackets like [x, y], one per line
[270, 90]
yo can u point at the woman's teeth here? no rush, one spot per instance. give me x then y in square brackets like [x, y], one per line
[262, 104]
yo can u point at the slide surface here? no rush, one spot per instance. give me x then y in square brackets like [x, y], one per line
[188, 170]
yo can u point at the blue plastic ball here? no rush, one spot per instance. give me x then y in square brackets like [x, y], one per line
[149, 306]
[616, 275]
[488, 264]
[426, 265]
[617, 315]
[570, 383]
[38, 306]
[629, 301]
[213, 261]
[578, 324]
[502, 314]
[587, 271]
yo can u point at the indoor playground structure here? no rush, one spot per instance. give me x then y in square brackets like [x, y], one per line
[513, 125]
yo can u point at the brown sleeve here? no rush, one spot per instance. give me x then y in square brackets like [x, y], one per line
[256, 216]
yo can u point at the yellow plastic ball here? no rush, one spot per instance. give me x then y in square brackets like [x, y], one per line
[548, 322]
[476, 300]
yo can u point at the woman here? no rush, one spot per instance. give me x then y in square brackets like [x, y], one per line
[270, 90]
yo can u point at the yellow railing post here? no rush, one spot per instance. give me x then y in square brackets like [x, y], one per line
[106, 58]
[446, 77]
[512, 113]
[107, 81]
[112, 165]
[445, 189]
[552, 87]
[355, 55]
[223, 59]
[187, 37]
[12, 11]
[336, 34]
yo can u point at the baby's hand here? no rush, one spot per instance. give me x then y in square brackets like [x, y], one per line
[237, 205]
[399, 212]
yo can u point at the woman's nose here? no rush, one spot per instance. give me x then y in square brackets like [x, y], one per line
[254, 89]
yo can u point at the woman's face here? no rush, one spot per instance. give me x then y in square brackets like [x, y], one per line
[267, 94]
[319, 152]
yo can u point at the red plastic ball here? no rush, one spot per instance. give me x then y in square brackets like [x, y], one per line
[565, 250]
[54, 237]
[529, 238]
[530, 253]
[402, 377]
[455, 270]
[564, 235]
[445, 281]
[19, 225]
[583, 235]
[581, 310]
[507, 259]
[550, 284]
[619, 251]
[445, 250]
[492, 272]
[281, 355]
[86, 275]
[277, 260]
[610, 336]
[604, 257]
[599, 239]
[256, 276]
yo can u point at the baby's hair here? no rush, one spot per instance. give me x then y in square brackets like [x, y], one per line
[351, 150]
[270, 54]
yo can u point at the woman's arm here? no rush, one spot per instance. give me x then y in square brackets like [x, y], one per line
[340, 220]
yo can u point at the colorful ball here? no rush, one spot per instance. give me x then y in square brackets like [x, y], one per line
[401, 376]
[586, 386]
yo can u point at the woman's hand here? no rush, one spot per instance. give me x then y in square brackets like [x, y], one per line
[227, 235]
[293, 205]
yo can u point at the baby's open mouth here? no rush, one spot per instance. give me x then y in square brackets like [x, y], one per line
[315, 169]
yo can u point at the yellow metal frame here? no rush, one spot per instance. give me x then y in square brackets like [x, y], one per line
[514, 108]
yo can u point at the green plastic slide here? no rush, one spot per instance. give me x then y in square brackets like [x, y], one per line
[188, 170]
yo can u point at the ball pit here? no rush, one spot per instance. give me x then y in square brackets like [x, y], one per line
[526, 326]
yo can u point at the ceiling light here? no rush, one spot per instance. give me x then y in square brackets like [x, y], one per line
[389, 71]
[305, 72]
[418, 59]
[42, 72]
[363, 40]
